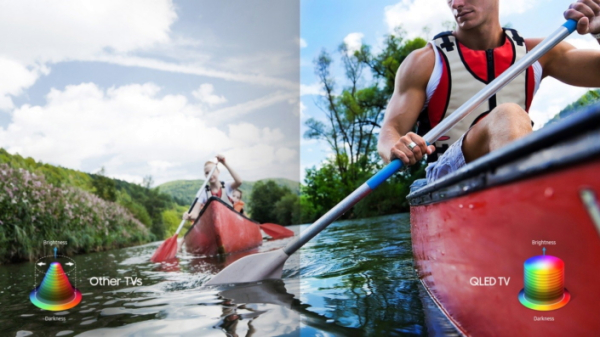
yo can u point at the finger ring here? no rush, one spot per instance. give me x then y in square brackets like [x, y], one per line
[412, 145]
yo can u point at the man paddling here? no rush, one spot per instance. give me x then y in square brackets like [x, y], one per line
[435, 80]
[216, 188]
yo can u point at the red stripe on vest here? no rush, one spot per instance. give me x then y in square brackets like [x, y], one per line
[218, 194]
[437, 103]
[475, 60]
[503, 57]
[530, 87]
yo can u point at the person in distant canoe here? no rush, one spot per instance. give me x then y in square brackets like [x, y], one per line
[215, 187]
[437, 79]
[236, 200]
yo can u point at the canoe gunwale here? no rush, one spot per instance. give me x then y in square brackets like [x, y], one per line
[574, 140]
[215, 199]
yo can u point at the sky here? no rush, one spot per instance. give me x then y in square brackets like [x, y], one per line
[152, 87]
[159, 87]
[327, 24]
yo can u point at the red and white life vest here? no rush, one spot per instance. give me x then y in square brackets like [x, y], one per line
[464, 72]
[222, 194]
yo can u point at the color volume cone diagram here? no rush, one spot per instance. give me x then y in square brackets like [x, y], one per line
[55, 293]
[544, 284]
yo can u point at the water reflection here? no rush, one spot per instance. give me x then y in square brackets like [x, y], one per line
[273, 295]
[354, 279]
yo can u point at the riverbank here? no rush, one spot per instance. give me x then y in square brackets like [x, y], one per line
[33, 211]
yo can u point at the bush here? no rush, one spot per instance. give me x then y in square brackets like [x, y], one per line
[271, 202]
[287, 210]
[32, 210]
[172, 218]
[263, 198]
[324, 187]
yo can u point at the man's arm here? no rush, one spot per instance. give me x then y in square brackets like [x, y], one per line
[237, 180]
[193, 215]
[578, 67]
[404, 107]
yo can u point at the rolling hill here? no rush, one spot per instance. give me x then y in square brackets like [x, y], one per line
[183, 191]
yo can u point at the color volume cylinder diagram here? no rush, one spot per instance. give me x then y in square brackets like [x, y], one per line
[55, 293]
[544, 284]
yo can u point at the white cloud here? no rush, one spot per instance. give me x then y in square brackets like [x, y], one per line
[311, 89]
[257, 158]
[132, 131]
[236, 111]
[285, 154]
[302, 43]
[129, 124]
[547, 102]
[54, 31]
[35, 34]
[246, 133]
[205, 95]
[16, 77]
[583, 42]
[161, 165]
[134, 61]
[353, 42]
[413, 16]
[302, 108]
[508, 7]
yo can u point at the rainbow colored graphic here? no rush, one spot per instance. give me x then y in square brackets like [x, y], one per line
[544, 284]
[55, 293]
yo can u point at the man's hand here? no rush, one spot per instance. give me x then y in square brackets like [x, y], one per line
[587, 15]
[402, 149]
[221, 158]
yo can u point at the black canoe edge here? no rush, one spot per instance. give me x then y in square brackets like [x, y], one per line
[573, 140]
[215, 199]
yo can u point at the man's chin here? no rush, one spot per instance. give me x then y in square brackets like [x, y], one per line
[466, 25]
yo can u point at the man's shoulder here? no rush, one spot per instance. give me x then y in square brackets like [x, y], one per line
[531, 42]
[422, 54]
[418, 65]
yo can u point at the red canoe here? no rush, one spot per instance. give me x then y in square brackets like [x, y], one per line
[483, 222]
[221, 230]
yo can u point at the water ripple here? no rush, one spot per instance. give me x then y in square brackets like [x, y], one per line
[354, 279]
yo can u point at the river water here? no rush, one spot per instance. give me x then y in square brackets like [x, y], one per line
[356, 278]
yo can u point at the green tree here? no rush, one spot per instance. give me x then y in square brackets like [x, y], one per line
[263, 199]
[353, 115]
[287, 209]
[104, 187]
[590, 97]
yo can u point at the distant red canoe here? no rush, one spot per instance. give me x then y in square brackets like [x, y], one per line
[487, 219]
[221, 230]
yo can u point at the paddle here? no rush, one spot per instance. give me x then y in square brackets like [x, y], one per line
[168, 249]
[269, 265]
[276, 231]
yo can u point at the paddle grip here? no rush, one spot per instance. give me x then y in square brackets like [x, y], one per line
[570, 25]
[385, 173]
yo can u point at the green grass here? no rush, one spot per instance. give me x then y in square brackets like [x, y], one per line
[33, 210]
